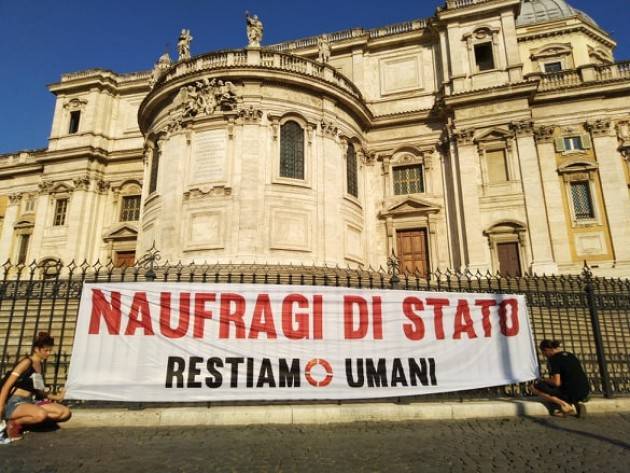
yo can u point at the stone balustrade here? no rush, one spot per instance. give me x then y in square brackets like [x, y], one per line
[120, 78]
[261, 58]
[584, 75]
[452, 4]
[388, 30]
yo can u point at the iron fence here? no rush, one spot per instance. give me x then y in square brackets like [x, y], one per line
[590, 315]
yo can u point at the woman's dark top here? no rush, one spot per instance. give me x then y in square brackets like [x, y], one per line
[25, 380]
[573, 381]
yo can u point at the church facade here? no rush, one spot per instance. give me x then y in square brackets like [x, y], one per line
[494, 135]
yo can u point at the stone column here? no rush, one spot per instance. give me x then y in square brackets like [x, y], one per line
[552, 189]
[469, 179]
[614, 187]
[537, 222]
[514, 64]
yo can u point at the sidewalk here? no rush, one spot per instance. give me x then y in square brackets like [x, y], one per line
[322, 413]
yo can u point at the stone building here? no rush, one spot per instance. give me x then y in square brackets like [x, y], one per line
[494, 135]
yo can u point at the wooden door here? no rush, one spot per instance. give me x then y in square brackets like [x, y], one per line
[413, 253]
[124, 258]
[509, 260]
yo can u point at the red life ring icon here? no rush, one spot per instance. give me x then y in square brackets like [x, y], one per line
[309, 377]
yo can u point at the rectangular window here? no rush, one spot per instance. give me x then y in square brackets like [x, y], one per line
[553, 67]
[351, 171]
[130, 209]
[497, 166]
[61, 206]
[75, 117]
[29, 204]
[483, 57]
[124, 258]
[408, 180]
[582, 201]
[573, 143]
[23, 250]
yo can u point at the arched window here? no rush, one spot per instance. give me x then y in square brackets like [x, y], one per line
[292, 150]
[351, 171]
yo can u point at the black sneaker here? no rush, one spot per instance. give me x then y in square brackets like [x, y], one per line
[581, 410]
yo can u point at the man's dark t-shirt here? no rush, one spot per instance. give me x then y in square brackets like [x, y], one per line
[574, 383]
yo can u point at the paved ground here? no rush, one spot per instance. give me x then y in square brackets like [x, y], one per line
[598, 443]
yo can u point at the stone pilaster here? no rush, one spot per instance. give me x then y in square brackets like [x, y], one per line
[6, 236]
[552, 189]
[614, 187]
[537, 223]
[475, 247]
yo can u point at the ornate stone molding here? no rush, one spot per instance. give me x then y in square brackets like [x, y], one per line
[623, 135]
[103, 186]
[81, 183]
[15, 198]
[203, 98]
[250, 115]
[45, 187]
[464, 136]
[523, 128]
[75, 104]
[207, 191]
[544, 134]
[329, 129]
[599, 128]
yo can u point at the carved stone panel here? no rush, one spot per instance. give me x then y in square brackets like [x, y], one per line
[209, 157]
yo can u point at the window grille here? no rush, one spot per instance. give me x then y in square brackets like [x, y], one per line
[408, 179]
[291, 150]
[61, 207]
[582, 201]
[551, 67]
[351, 171]
[130, 209]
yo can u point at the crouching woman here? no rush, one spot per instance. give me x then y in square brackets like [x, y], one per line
[23, 397]
[567, 386]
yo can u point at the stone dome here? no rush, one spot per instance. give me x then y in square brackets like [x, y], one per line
[541, 11]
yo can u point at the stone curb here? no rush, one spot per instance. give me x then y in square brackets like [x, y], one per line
[321, 413]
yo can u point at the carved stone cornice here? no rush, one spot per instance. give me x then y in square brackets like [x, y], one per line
[250, 115]
[207, 191]
[464, 136]
[329, 129]
[523, 128]
[544, 134]
[81, 183]
[599, 128]
[15, 198]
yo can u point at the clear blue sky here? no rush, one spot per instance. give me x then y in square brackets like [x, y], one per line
[41, 39]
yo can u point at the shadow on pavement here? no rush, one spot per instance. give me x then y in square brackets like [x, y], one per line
[555, 426]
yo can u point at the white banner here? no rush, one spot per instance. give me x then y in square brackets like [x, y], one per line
[209, 342]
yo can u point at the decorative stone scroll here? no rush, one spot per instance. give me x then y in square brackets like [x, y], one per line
[329, 128]
[201, 98]
[250, 115]
[15, 198]
[81, 183]
[599, 128]
[522, 128]
[623, 135]
[544, 134]
[464, 136]
[75, 104]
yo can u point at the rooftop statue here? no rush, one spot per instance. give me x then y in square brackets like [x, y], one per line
[323, 45]
[254, 30]
[183, 44]
[160, 66]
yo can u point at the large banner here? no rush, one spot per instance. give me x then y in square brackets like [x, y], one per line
[205, 342]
